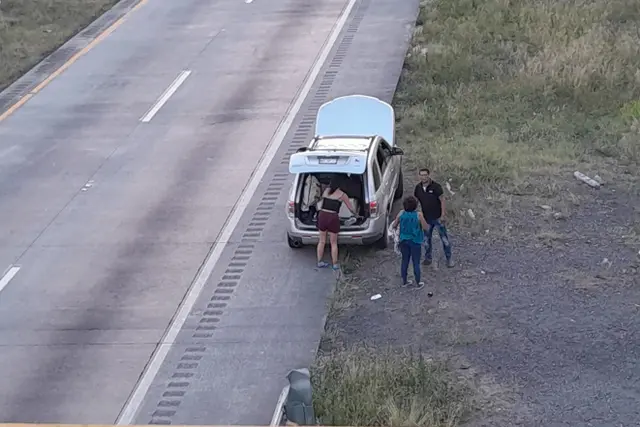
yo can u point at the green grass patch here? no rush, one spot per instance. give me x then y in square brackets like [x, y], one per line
[32, 29]
[496, 94]
[367, 387]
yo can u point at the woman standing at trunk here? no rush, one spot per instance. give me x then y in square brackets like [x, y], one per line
[329, 221]
[412, 226]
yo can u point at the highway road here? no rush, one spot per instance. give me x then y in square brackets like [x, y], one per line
[142, 190]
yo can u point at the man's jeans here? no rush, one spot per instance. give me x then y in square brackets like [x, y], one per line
[442, 231]
[410, 252]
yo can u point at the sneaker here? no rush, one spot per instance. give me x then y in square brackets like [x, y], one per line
[408, 283]
[427, 261]
[420, 285]
[323, 264]
[450, 263]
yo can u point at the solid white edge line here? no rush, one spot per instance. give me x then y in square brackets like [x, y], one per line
[173, 87]
[8, 275]
[133, 404]
[279, 411]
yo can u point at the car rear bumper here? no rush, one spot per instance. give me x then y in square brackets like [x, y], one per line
[374, 230]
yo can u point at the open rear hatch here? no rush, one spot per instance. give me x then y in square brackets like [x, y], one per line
[344, 162]
[356, 115]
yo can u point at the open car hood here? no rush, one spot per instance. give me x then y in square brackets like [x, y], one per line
[356, 115]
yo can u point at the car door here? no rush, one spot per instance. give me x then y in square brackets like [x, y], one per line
[391, 168]
[378, 187]
[386, 164]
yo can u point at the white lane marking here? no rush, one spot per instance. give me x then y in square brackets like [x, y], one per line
[10, 274]
[133, 404]
[165, 96]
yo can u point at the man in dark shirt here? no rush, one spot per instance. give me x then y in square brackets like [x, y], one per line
[431, 197]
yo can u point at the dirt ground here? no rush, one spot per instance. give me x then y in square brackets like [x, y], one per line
[544, 321]
[504, 100]
[32, 29]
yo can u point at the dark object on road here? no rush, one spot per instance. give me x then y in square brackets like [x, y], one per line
[299, 405]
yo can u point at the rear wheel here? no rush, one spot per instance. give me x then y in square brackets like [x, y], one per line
[293, 243]
[400, 187]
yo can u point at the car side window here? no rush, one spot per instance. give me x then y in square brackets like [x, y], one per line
[376, 176]
[383, 155]
[380, 158]
[386, 149]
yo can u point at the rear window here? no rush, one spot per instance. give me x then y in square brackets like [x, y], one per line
[352, 184]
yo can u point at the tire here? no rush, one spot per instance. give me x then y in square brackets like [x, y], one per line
[400, 188]
[293, 244]
[383, 242]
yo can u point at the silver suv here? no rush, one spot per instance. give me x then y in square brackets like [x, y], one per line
[354, 139]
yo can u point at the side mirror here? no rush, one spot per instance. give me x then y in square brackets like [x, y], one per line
[397, 151]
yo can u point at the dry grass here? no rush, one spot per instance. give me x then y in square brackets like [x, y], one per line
[508, 97]
[32, 29]
[372, 388]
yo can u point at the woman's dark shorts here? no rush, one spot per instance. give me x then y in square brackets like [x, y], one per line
[328, 221]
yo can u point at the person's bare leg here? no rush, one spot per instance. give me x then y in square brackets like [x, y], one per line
[322, 240]
[333, 238]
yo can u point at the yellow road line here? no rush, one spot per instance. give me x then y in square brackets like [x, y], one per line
[103, 35]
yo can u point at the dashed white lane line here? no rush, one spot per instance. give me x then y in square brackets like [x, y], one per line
[8, 275]
[133, 404]
[165, 96]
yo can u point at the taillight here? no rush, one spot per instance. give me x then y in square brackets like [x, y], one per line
[291, 208]
[373, 208]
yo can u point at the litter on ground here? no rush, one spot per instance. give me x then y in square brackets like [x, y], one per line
[584, 178]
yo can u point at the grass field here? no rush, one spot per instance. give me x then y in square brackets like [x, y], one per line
[32, 29]
[507, 98]
[504, 100]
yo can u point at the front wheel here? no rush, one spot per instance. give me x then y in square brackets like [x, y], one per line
[383, 242]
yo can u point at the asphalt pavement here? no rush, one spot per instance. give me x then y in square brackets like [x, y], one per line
[153, 172]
